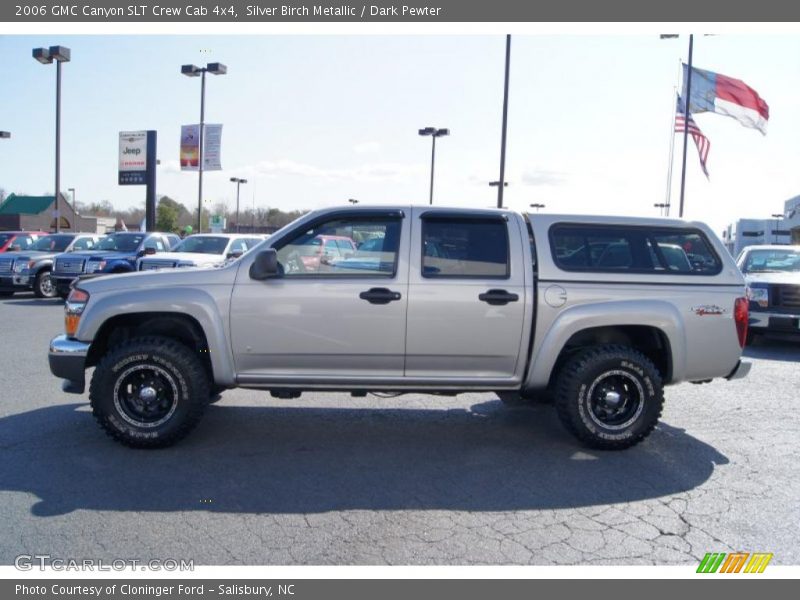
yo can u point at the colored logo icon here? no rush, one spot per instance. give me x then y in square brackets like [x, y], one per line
[736, 562]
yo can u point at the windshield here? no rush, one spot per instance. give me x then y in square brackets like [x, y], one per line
[771, 261]
[203, 245]
[122, 242]
[52, 243]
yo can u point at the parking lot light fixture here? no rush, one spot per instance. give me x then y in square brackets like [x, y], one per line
[238, 181]
[352, 201]
[195, 71]
[5, 134]
[663, 208]
[59, 54]
[537, 206]
[434, 133]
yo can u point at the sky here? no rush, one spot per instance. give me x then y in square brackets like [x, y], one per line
[314, 120]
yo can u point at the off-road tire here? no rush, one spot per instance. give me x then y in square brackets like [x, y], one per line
[180, 375]
[39, 285]
[581, 381]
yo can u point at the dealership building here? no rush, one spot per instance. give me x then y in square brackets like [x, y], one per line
[783, 229]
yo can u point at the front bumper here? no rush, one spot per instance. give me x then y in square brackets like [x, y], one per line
[15, 283]
[68, 361]
[778, 322]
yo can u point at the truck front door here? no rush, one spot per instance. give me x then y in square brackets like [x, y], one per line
[343, 318]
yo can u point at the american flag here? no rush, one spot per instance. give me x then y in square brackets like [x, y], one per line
[700, 140]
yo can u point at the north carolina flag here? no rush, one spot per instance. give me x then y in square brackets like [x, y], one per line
[712, 92]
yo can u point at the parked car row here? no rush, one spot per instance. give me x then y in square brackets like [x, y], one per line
[50, 263]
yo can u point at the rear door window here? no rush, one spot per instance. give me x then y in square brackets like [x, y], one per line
[460, 247]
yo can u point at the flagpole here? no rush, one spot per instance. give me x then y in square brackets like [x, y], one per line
[687, 99]
[665, 211]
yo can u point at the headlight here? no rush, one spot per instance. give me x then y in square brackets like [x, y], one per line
[759, 295]
[22, 265]
[93, 266]
[73, 309]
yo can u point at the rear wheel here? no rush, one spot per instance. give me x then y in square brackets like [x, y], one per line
[43, 286]
[149, 392]
[609, 397]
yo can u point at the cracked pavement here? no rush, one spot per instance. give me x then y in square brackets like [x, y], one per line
[330, 479]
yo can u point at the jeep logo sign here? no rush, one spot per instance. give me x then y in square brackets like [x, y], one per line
[132, 157]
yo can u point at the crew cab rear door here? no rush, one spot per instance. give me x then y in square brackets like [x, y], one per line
[467, 296]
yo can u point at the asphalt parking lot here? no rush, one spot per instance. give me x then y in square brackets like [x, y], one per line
[330, 479]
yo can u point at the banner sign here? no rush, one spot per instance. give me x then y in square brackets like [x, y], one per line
[212, 146]
[190, 147]
[132, 157]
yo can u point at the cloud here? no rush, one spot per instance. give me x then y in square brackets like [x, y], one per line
[367, 147]
[543, 177]
[170, 166]
[378, 172]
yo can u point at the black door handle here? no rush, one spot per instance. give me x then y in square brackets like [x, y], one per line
[498, 297]
[379, 296]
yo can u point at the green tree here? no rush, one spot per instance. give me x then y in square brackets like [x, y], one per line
[166, 217]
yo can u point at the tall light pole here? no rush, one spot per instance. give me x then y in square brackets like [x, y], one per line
[238, 183]
[434, 133]
[777, 217]
[505, 126]
[497, 184]
[46, 56]
[195, 71]
[537, 206]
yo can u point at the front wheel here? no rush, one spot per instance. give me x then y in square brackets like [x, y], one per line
[149, 392]
[610, 397]
[43, 286]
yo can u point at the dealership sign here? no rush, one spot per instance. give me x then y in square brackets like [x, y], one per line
[132, 157]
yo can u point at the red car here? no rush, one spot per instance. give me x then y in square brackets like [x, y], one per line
[18, 240]
[319, 251]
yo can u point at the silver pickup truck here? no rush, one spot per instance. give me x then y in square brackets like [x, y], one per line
[597, 313]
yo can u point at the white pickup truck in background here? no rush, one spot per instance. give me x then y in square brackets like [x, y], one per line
[598, 312]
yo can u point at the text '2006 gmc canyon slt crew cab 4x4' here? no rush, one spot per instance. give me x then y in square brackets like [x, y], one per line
[600, 312]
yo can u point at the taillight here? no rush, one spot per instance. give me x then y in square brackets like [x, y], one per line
[741, 315]
[73, 309]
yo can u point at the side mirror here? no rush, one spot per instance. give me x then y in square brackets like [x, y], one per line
[265, 265]
[149, 251]
[236, 254]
